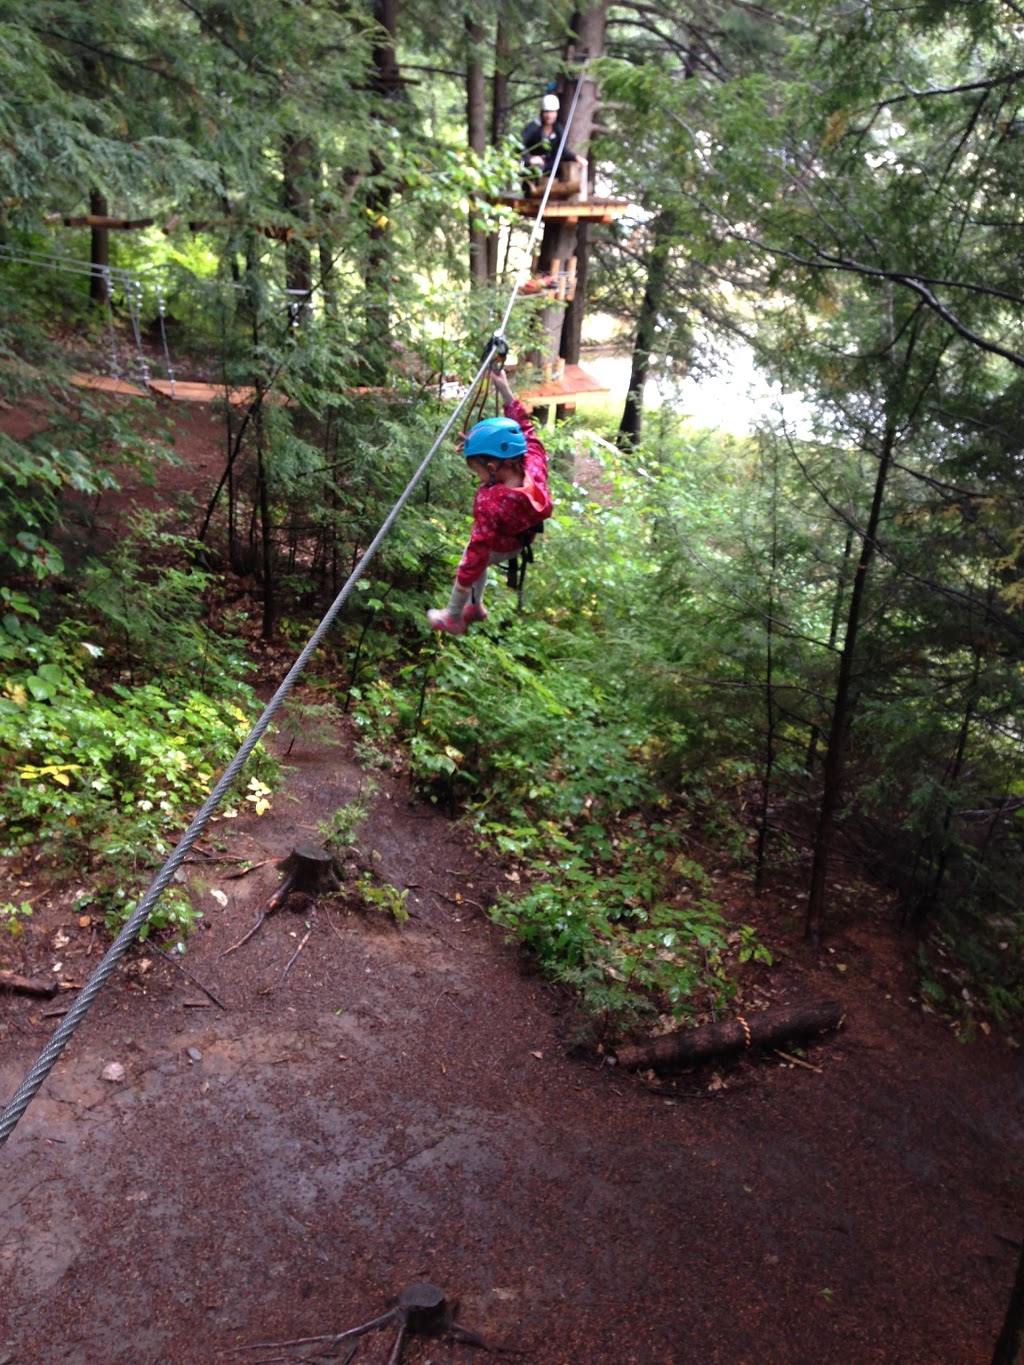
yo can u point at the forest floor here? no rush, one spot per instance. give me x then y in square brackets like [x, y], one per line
[403, 1103]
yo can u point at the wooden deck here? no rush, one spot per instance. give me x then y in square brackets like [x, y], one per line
[180, 391]
[571, 211]
[574, 381]
[188, 392]
[105, 384]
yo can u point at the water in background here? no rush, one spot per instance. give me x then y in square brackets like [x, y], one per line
[733, 400]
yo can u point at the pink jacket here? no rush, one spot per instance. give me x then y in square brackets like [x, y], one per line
[500, 514]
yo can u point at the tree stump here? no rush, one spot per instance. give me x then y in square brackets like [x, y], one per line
[424, 1308]
[309, 868]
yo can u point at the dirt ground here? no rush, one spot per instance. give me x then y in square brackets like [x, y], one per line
[403, 1103]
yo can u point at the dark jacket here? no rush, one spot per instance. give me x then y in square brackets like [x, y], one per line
[537, 143]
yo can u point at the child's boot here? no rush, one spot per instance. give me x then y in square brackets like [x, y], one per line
[442, 620]
[453, 620]
[473, 612]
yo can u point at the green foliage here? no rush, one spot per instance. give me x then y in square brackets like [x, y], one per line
[628, 923]
[340, 833]
[113, 775]
[106, 761]
[383, 897]
[151, 603]
[174, 915]
[12, 917]
[831, 183]
[542, 722]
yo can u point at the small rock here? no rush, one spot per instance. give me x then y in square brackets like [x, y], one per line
[113, 1071]
[194, 1054]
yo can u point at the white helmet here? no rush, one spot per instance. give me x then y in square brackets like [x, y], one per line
[550, 104]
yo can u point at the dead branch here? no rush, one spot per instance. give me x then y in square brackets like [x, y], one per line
[268, 908]
[422, 1309]
[290, 964]
[186, 973]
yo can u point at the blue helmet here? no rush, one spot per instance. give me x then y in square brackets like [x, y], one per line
[495, 438]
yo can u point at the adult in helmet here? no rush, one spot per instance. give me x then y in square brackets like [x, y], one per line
[541, 138]
[511, 464]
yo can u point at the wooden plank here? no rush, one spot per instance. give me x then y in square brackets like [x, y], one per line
[107, 385]
[182, 391]
[594, 210]
[98, 220]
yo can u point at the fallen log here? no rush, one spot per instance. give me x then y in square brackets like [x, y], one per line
[29, 985]
[687, 1047]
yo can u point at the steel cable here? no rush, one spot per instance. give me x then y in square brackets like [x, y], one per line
[26, 1092]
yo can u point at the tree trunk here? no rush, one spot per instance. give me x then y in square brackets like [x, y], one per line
[572, 326]
[476, 125]
[561, 240]
[387, 84]
[935, 849]
[503, 62]
[662, 236]
[266, 527]
[712, 1041]
[833, 636]
[767, 776]
[297, 166]
[844, 702]
[99, 251]
[1010, 1346]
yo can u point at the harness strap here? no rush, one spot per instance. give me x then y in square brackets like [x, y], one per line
[516, 569]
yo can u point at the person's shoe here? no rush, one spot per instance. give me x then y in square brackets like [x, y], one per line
[472, 612]
[452, 625]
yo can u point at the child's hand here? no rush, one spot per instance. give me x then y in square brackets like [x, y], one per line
[500, 381]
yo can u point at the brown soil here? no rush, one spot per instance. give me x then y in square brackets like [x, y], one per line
[404, 1104]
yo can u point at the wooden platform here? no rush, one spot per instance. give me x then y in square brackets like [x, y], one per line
[573, 382]
[593, 210]
[107, 385]
[187, 392]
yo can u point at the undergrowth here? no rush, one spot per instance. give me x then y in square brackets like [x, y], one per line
[536, 725]
[114, 728]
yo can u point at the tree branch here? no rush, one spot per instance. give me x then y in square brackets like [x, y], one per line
[991, 83]
[913, 282]
[149, 66]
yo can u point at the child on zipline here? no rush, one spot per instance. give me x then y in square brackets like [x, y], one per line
[507, 457]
